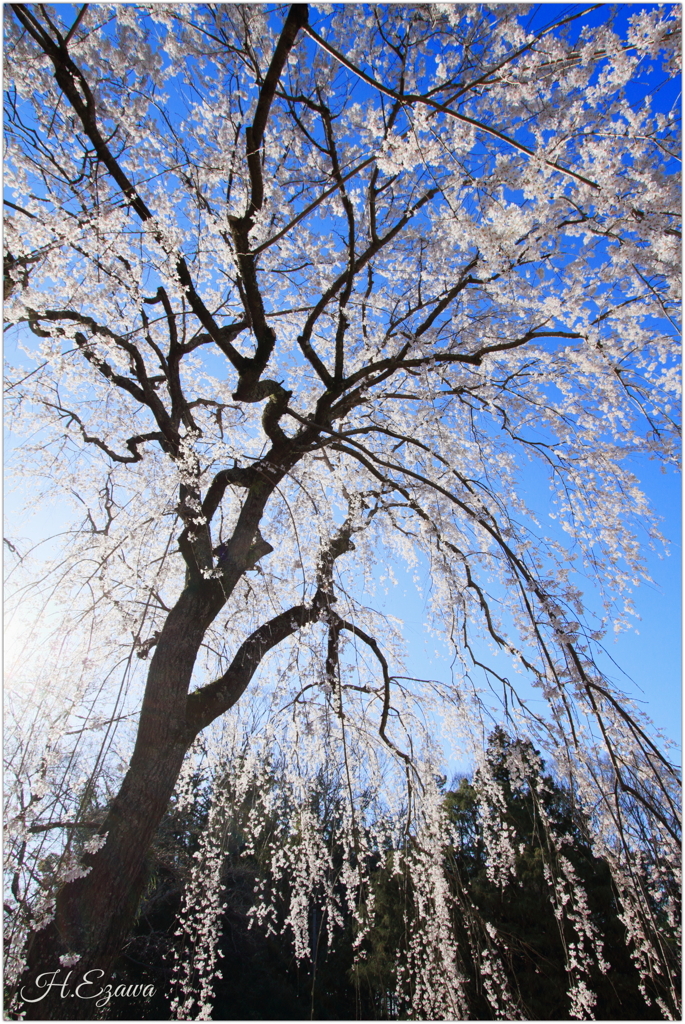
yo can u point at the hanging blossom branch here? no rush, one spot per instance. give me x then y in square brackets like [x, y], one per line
[408, 98]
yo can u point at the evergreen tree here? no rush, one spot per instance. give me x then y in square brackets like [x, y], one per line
[512, 912]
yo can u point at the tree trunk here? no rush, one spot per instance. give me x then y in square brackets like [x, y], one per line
[94, 913]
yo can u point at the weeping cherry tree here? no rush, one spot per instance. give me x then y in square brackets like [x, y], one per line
[301, 296]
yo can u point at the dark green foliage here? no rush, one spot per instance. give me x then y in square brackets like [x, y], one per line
[520, 911]
[262, 979]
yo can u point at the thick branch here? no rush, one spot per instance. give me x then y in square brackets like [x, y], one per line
[70, 79]
[207, 703]
[63, 824]
[211, 701]
[343, 321]
[67, 75]
[252, 368]
[237, 476]
[297, 19]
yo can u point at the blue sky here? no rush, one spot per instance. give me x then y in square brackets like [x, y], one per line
[644, 661]
[651, 658]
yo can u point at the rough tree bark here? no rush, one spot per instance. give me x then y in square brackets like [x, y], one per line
[94, 913]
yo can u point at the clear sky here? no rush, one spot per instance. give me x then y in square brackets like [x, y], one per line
[644, 661]
[650, 655]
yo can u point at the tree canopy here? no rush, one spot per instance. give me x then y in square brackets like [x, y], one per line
[301, 294]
